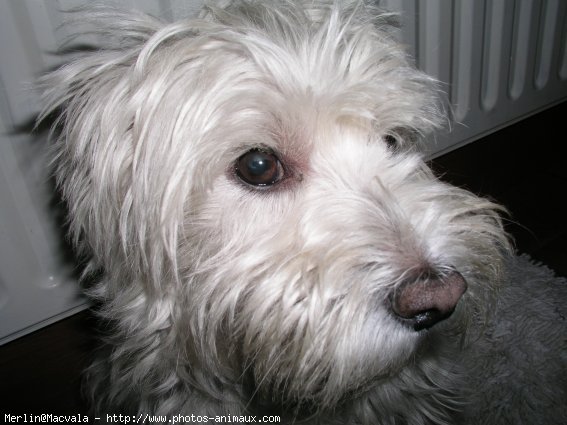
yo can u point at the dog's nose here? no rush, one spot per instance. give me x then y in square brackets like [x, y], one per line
[429, 299]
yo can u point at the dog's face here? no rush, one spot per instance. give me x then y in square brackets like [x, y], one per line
[251, 181]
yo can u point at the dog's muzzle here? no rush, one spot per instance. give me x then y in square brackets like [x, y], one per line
[431, 298]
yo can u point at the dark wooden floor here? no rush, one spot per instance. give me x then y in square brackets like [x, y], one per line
[41, 372]
[522, 167]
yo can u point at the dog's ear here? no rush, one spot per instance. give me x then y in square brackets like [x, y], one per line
[99, 161]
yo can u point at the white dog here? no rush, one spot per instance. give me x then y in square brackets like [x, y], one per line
[268, 239]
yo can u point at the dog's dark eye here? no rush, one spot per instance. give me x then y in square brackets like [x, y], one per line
[391, 141]
[259, 168]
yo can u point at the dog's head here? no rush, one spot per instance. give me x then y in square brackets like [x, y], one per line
[250, 180]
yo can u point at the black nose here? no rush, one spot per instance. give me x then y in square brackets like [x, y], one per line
[429, 299]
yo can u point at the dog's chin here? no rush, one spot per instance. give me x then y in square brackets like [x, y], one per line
[391, 346]
[350, 373]
[299, 403]
[303, 402]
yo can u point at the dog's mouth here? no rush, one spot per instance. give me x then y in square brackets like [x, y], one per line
[431, 298]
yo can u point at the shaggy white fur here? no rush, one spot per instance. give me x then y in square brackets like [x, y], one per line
[268, 238]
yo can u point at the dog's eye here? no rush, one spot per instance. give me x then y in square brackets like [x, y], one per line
[259, 168]
[391, 141]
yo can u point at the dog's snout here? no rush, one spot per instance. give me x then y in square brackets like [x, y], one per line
[429, 299]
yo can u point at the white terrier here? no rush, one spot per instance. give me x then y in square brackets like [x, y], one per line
[248, 186]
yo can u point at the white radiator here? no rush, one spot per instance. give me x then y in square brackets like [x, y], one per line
[499, 61]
